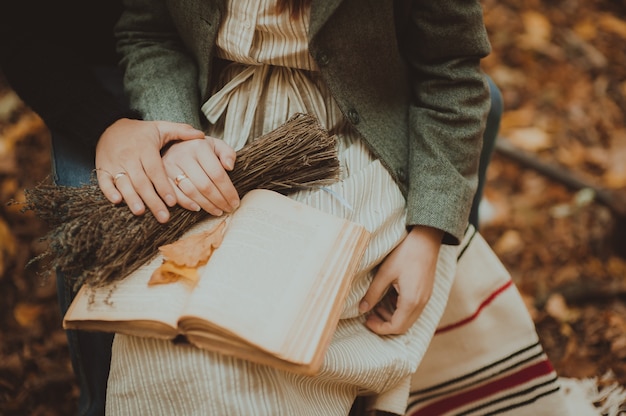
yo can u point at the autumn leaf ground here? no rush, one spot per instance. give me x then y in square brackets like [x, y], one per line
[561, 67]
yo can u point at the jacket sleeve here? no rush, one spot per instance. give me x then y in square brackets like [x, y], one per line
[443, 42]
[49, 72]
[160, 74]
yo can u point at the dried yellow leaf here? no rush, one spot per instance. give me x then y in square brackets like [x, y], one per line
[8, 248]
[27, 314]
[194, 250]
[183, 257]
[169, 272]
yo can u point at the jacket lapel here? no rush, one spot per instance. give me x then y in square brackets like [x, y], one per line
[321, 10]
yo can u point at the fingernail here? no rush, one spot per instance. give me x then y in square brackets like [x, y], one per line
[137, 207]
[162, 216]
[170, 200]
[235, 203]
[364, 306]
[195, 207]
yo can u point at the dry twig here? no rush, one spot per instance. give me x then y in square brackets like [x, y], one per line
[94, 242]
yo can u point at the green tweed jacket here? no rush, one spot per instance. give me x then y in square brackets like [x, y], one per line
[405, 73]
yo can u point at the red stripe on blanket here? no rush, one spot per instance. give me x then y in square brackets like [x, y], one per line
[473, 316]
[449, 403]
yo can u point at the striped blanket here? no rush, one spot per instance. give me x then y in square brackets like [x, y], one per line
[485, 357]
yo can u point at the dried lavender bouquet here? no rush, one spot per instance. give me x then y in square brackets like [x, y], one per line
[94, 242]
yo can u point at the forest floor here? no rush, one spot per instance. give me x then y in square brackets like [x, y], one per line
[561, 67]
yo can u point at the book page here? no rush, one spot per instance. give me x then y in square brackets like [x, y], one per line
[258, 279]
[312, 328]
[326, 298]
[132, 299]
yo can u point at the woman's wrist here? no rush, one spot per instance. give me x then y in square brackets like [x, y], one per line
[430, 235]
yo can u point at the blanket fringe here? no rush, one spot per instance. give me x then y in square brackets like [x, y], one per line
[596, 396]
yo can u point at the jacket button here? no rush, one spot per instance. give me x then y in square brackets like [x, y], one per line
[323, 59]
[402, 175]
[353, 116]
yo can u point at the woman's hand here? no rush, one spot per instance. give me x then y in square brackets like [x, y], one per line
[409, 271]
[198, 170]
[129, 164]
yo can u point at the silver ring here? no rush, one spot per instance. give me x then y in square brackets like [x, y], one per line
[117, 176]
[180, 178]
[105, 171]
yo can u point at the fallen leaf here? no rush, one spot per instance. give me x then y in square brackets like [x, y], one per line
[511, 242]
[505, 77]
[195, 249]
[27, 314]
[8, 247]
[613, 24]
[537, 30]
[616, 266]
[170, 272]
[522, 117]
[532, 139]
[618, 346]
[556, 307]
[571, 156]
[537, 35]
[615, 175]
[586, 29]
[182, 258]
[9, 102]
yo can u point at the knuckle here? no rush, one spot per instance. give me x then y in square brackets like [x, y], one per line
[206, 188]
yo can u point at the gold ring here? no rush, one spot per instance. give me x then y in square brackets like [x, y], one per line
[117, 176]
[180, 178]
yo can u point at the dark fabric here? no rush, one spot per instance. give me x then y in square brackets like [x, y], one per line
[47, 50]
[90, 353]
[490, 136]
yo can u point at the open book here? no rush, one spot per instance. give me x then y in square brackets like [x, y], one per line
[272, 292]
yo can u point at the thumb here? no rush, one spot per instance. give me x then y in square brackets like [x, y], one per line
[178, 131]
[225, 153]
[375, 292]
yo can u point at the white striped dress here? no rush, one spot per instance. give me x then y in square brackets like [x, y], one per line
[272, 77]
